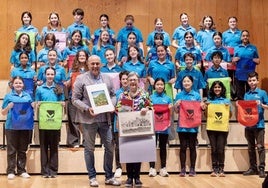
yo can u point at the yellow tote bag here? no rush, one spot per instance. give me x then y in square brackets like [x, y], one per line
[218, 117]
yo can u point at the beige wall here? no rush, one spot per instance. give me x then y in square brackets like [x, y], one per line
[250, 13]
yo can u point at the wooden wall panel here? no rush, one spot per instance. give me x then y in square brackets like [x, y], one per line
[250, 13]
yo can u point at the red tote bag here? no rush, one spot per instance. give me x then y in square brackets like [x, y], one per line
[247, 112]
[161, 117]
[190, 114]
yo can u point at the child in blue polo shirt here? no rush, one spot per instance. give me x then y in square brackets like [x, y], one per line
[103, 44]
[216, 71]
[78, 14]
[257, 132]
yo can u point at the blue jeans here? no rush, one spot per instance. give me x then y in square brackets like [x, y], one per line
[89, 134]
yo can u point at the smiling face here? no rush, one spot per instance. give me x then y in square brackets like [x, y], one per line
[131, 39]
[76, 38]
[207, 23]
[245, 37]
[110, 56]
[94, 65]
[103, 21]
[187, 84]
[18, 85]
[124, 81]
[159, 86]
[82, 57]
[26, 19]
[24, 59]
[52, 57]
[216, 61]
[189, 39]
[133, 53]
[54, 20]
[50, 75]
[133, 82]
[217, 89]
[184, 19]
[189, 62]
[161, 53]
[159, 25]
[232, 23]
[104, 36]
[253, 82]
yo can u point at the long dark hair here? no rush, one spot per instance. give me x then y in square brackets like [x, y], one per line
[212, 95]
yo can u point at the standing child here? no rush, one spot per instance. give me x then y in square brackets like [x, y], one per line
[17, 140]
[187, 136]
[49, 139]
[217, 139]
[256, 133]
[159, 97]
[124, 87]
[112, 65]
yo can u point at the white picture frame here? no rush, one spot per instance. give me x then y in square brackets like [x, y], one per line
[99, 98]
[135, 124]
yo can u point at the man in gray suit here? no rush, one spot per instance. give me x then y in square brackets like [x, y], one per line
[94, 123]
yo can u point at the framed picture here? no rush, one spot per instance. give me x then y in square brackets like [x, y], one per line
[99, 98]
[134, 124]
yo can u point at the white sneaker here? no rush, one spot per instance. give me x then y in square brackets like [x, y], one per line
[93, 182]
[163, 172]
[152, 172]
[11, 176]
[25, 175]
[118, 173]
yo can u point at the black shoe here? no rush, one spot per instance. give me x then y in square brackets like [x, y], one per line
[261, 173]
[138, 183]
[250, 171]
[129, 182]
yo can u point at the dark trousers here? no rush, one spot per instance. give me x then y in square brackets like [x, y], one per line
[217, 141]
[116, 148]
[163, 138]
[187, 139]
[241, 88]
[73, 130]
[17, 145]
[49, 142]
[252, 135]
[133, 170]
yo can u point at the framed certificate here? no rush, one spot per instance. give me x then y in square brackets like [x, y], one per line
[99, 98]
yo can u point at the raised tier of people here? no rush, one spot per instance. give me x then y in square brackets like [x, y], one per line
[208, 67]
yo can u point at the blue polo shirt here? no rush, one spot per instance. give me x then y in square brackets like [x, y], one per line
[101, 52]
[179, 33]
[24, 73]
[45, 30]
[81, 27]
[138, 67]
[249, 51]
[150, 39]
[30, 28]
[45, 93]
[123, 33]
[115, 68]
[187, 96]
[14, 97]
[231, 39]
[183, 50]
[59, 77]
[261, 95]
[97, 33]
[212, 72]
[198, 83]
[225, 53]
[204, 38]
[42, 55]
[15, 60]
[73, 51]
[161, 98]
[158, 70]
[220, 100]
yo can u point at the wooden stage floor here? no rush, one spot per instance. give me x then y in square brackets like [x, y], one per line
[173, 181]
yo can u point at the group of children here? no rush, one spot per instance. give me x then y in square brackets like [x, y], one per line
[200, 56]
